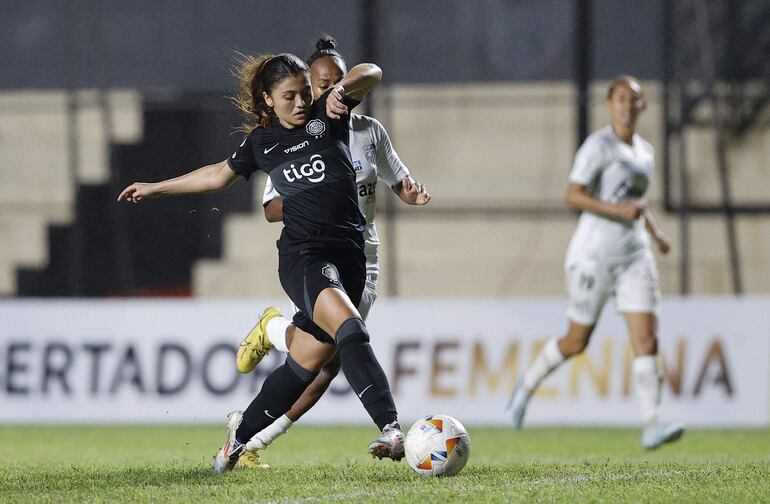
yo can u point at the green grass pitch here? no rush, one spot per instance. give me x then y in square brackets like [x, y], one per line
[330, 464]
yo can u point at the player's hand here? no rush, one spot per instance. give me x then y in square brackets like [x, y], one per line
[335, 109]
[661, 240]
[631, 210]
[137, 192]
[414, 193]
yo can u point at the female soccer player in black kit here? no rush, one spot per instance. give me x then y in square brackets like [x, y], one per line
[302, 145]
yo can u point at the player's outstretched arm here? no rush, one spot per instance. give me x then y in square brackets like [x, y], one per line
[577, 197]
[390, 168]
[658, 236]
[206, 179]
[412, 192]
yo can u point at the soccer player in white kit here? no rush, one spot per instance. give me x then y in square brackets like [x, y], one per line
[373, 159]
[610, 254]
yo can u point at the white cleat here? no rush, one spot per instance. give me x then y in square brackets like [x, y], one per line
[658, 434]
[518, 404]
[228, 455]
[390, 444]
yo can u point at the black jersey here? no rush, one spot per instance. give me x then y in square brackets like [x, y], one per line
[310, 168]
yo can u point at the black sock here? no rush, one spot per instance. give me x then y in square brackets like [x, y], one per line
[279, 392]
[364, 373]
[386, 418]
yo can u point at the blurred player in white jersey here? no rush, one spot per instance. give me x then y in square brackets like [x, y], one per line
[610, 254]
[373, 159]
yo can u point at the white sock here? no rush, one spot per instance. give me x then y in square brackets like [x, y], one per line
[547, 360]
[648, 383]
[276, 332]
[266, 436]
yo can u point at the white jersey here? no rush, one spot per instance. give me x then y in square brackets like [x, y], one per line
[612, 171]
[373, 158]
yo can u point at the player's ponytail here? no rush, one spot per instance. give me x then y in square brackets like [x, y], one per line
[258, 74]
[326, 46]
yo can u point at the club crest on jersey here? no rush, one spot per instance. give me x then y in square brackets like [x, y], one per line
[330, 272]
[370, 151]
[316, 127]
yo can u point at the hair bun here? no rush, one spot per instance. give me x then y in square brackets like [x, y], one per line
[325, 43]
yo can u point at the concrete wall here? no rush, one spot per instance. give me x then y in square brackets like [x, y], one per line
[494, 156]
[37, 183]
[485, 150]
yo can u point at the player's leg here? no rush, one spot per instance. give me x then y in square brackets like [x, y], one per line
[646, 373]
[304, 403]
[312, 393]
[335, 312]
[337, 282]
[279, 330]
[637, 298]
[648, 380]
[285, 384]
[588, 287]
[319, 386]
[279, 392]
[315, 390]
[251, 351]
[554, 352]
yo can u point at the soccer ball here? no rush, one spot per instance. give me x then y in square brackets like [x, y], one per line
[437, 445]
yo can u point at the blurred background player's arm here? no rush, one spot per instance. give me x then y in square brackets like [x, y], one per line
[577, 197]
[660, 238]
[393, 171]
[206, 179]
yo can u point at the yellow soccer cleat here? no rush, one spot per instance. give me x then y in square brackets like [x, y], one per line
[251, 460]
[255, 345]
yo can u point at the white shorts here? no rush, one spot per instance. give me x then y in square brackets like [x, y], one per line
[589, 284]
[368, 297]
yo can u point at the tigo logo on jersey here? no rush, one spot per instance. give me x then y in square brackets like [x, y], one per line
[316, 127]
[315, 167]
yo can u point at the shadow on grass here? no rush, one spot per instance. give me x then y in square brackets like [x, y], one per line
[85, 477]
[78, 478]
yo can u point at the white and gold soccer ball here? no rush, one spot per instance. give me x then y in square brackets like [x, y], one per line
[437, 445]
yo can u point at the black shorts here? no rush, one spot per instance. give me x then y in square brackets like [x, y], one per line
[306, 273]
